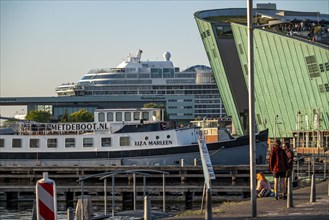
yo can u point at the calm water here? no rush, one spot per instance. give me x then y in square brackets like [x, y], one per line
[23, 210]
[23, 215]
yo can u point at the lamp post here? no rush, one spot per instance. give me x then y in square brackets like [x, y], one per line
[251, 101]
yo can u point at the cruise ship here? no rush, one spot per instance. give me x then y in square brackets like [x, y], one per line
[187, 95]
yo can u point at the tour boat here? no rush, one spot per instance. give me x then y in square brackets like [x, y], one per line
[119, 137]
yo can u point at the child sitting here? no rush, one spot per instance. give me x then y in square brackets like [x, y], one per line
[263, 188]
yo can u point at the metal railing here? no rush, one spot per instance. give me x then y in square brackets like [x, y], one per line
[312, 161]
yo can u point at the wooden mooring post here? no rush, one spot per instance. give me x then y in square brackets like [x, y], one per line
[147, 208]
[84, 209]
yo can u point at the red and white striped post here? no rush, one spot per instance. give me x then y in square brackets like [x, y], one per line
[46, 198]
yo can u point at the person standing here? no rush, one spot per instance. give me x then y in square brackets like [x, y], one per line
[290, 157]
[278, 165]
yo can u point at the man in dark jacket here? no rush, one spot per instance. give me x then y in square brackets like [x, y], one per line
[278, 165]
[290, 157]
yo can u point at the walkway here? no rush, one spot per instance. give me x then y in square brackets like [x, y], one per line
[268, 208]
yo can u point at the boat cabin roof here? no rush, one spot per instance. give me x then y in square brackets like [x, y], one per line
[127, 115]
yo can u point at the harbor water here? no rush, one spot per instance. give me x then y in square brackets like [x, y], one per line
[23, 210]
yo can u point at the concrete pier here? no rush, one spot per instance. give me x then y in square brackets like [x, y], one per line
[270, 209]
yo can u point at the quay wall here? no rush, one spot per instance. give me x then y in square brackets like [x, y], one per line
[183, 184]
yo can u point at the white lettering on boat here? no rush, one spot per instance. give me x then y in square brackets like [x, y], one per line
[79, 126]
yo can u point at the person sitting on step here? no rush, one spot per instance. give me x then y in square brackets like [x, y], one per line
[263, 188]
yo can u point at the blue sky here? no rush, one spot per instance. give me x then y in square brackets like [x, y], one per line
[46, 43]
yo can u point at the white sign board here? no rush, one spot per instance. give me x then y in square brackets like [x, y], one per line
[208, 170]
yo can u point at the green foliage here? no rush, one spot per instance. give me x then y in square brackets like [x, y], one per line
[38, 116]
[239, 19]
[229, 19]
[151, 105]
[64, 118]
[81, 116]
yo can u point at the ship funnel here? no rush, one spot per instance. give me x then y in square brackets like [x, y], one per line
[166, 56]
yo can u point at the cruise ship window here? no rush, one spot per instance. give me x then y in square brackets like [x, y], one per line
[87, 77]
[131, 75]
[69, 142]
[156, 73]
[124, 141]
[88, 142]
[17, 143]
[136, 116]
[106, 142]
[144, 75]
[118, 116]
[34, 143]
[2, 143]
[168, 73]
[127, 116]
[110, 116]
[52, 143]
[101, 117]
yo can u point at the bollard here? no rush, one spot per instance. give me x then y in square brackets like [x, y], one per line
[46, 198]
[290, 201]
[147, 208]
[208, 213]
[313, 190]
[70, 213]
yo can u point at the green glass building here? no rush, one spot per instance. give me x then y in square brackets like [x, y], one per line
[291, 72]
